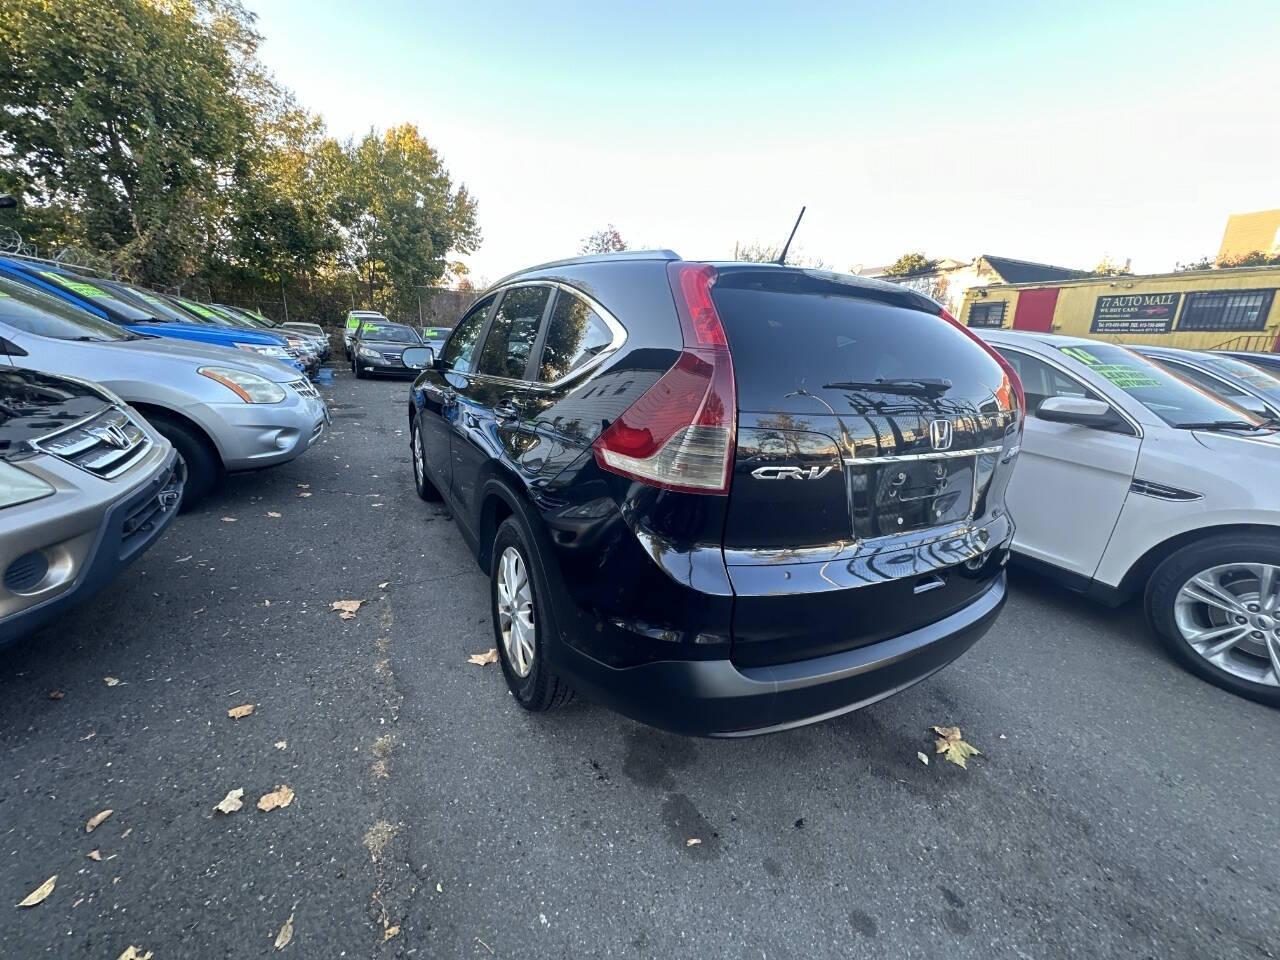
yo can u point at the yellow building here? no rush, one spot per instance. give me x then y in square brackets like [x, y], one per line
[1249, 233]
[1199, 309]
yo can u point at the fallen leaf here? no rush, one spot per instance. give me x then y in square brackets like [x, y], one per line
[134, 953]
[303, 485]
[281, 796]
[231, 802]
[383, 584]
[923, 757]
[304, 493]
[346, 608]
[125, 835]
[89, 736]
[272, 513]
[439, 889]
[390, 932]
[235, 713]
[949, 742]
[286, 933]
[96, 819]
[95, 854]
[39, 893]
[480, 659]
[692, 842]
[228, 519]
[281, 744]
[184, 559]
[56, 694]
[110, 681]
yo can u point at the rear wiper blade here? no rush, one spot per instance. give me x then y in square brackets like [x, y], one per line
[922, 386]
[1222, 425]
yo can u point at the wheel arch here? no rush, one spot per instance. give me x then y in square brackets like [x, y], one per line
[155, 410]
[1137, 576]
[501, 497]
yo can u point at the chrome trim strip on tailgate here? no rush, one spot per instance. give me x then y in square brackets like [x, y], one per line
[934, 455]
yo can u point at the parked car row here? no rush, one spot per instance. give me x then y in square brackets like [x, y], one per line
[733, 498]
[118, 405]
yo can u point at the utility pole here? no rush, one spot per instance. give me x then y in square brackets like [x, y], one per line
[284, 298]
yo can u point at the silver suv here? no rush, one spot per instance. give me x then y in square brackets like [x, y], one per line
[86, 485]
[224, 410]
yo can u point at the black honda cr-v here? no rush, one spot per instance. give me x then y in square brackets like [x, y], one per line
[722, 498]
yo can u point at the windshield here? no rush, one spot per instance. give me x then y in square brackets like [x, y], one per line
[33, 311]
[1259, 380]
[1168, 396]
[125, 310]
[157, 307]
[203, 312]
[397, 332]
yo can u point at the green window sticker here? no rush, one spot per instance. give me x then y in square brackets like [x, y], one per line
[76, 286]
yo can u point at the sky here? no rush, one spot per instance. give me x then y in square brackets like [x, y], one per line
[1050, 132]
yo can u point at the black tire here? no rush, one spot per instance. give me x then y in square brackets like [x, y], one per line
[355, 368]
[1176, 570]
[542, 689]
[418, 460]
[204, 466]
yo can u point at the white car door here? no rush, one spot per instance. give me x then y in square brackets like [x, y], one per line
[1070, 483]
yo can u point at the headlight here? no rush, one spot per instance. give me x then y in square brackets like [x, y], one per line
[249, 387]
[370, 354]
[17, 486]
[266, 350]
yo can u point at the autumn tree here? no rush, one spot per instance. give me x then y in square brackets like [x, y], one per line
[1108, 267]
[910, 263]
[608, 240]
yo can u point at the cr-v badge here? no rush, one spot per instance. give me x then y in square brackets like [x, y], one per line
[791, 473]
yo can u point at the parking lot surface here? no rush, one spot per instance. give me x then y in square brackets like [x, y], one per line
[1120, 807]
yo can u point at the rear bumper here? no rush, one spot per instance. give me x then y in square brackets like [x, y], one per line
[716, 698]
[128, 529]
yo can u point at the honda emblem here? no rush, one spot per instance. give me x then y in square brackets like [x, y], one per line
[940, 434]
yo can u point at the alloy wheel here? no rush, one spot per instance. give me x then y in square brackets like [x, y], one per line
[1230, 616]
[515, 612]
[419, 461]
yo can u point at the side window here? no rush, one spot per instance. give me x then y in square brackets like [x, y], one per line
[1202, 380]
[576, 333]
[1040, 381]
[457, 353]
[515, 327]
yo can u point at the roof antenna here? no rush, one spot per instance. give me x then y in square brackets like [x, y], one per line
[782, 257]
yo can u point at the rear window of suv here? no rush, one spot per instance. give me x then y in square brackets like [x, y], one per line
[790, 331]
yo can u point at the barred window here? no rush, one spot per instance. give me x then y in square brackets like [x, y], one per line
[1226, 310]
[987, 314]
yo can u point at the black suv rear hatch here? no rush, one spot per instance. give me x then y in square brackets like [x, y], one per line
[869, 431]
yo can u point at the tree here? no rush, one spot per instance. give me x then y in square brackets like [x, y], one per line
[910, 263]
[757, 252]
[1254, 258]
[1204, 263]
[121, 120]
[1108, 267]
[608, 240]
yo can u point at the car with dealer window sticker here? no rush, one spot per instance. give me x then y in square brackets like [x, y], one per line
[1133, 480]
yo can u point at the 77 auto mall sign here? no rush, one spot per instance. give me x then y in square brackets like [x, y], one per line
[1135, 313]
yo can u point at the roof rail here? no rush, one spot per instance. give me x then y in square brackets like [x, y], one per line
[658, 254]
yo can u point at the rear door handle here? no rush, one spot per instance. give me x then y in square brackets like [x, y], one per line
[506, 409]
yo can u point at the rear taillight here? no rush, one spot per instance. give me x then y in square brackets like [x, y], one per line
[1015, 382]
[679, 434]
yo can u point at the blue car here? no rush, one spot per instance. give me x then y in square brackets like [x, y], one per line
[101, 300]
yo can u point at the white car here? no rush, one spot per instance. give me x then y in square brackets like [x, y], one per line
[1131, 478]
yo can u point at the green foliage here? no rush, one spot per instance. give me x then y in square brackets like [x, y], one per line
[146, 132]
[910, 263]
[1254, 258]
[1204, 263]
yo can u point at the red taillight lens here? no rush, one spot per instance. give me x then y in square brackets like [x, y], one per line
[679, 434]
[1015, 382]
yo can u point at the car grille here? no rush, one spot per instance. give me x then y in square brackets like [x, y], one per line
[105, 445]
[305, 388]
[392, 358]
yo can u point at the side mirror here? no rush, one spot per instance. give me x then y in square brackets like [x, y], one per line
[419, 357]
[10, 349]
[1080, 412]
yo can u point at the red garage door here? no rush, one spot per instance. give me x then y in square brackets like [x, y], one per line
[1035, 310]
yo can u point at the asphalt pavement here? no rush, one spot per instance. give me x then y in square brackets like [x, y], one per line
[1119, 807]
